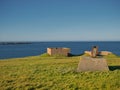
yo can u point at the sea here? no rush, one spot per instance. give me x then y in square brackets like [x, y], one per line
[19, 50]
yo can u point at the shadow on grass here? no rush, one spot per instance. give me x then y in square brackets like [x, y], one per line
[112, 68]
[72, 55]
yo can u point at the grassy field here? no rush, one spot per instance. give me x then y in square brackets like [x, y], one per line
[56, 73]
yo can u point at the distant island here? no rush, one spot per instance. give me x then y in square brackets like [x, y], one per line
[14, 43]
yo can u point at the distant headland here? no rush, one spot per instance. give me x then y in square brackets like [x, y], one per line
[14, 43]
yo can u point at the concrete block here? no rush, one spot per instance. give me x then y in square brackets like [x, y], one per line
[58, 51]
[102, 53]
[92, 64]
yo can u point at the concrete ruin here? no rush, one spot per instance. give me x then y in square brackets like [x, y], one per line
[101, 53]
[58, 51]
[92, 64]
[94, 52]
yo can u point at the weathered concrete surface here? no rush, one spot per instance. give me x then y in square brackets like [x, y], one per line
[92, 64]
[103, 53]
[58, 51]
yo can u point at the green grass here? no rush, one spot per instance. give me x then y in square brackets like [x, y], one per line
[56, 73]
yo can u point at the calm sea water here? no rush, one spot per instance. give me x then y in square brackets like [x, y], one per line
[37, 48]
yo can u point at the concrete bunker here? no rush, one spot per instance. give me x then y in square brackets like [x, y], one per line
[58, 51]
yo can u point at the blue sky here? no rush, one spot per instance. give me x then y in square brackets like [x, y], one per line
[59, 20]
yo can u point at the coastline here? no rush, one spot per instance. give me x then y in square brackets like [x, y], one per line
[37, 48]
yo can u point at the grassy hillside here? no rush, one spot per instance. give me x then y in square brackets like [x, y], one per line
[56, 73]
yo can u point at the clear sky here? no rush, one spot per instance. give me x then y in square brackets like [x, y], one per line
[59, 20]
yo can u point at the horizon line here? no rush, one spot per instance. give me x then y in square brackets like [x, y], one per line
[67, 41]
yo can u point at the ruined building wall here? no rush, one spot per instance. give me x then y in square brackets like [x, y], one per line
[58, 51]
